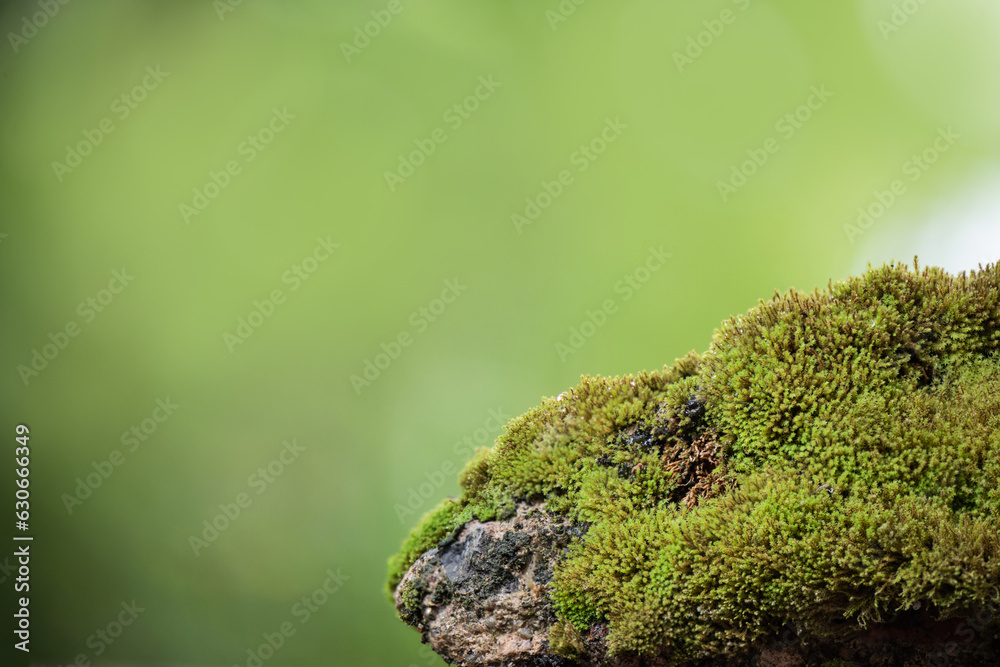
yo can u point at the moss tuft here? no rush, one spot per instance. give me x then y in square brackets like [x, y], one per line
[831, 462]
[566, 641]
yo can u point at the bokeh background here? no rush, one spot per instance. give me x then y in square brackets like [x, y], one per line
[618, 120]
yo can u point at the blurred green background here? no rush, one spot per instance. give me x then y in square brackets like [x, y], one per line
[201, 149]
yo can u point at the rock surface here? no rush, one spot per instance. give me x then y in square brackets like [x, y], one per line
[480, 598]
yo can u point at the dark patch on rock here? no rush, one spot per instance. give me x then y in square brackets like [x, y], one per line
[487, 565]
[647, 438]
[482, 597]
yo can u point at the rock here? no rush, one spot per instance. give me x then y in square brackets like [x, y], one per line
[481, 597]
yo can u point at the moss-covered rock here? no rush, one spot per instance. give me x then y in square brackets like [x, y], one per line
[829, 465]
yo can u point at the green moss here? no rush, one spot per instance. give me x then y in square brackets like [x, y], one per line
[565, 640]
[831, 461]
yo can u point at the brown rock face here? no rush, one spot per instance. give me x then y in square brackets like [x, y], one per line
[481, 598]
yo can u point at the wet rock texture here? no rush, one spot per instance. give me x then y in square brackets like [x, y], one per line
[481, 598]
